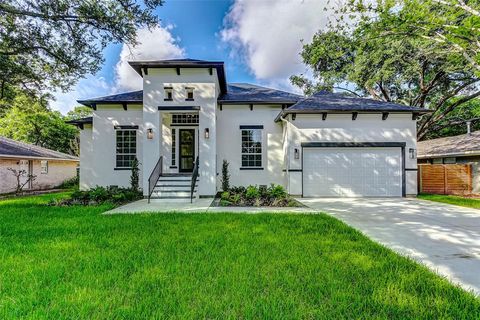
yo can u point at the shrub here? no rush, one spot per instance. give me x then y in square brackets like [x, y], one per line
[71, 183]
[134, 176]
[275, 195]
[225, 195]
[99, 195]
[225, 176]
[277, 191]
[252, 192]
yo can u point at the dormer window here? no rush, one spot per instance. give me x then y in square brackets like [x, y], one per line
[189, 94]
[168, 94]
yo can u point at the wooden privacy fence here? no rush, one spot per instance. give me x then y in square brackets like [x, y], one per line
[445, 178]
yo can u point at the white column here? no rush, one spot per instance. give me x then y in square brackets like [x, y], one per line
[207, 147]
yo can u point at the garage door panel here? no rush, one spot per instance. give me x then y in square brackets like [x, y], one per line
[352, 172]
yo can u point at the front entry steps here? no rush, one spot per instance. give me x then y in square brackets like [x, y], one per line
[174, 187]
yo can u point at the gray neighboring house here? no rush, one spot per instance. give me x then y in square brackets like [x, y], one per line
[461, 149]
[51, 168]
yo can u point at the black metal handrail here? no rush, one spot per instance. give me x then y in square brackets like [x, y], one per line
[194, 179]
[152, 180]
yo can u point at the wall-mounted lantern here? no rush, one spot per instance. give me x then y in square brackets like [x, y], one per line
[207, 133]
[413, 153]
[149, 133]
[296, 153]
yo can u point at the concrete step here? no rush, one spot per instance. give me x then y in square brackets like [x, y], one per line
[166, 187]
[175, 178]
[171, 193]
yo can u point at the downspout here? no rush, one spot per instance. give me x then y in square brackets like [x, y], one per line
[287, 154]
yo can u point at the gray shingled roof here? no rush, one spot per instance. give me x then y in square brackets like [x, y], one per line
[133, 97]
[324, 101]
[464, 144]
[237, 93]
[17, 149]
[249, 93]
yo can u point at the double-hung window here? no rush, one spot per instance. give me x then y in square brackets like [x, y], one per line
[126, 144]
[251, 146]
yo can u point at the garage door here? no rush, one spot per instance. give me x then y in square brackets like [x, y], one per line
[352, 172]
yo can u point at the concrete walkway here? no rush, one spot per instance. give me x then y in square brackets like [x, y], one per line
[198, 206]
[444, 237]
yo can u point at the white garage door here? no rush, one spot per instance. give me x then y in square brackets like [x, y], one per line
[352, 172]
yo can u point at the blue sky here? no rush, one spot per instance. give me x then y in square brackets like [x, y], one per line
[259, 40]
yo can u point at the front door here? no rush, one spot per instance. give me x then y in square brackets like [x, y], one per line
[187, 149]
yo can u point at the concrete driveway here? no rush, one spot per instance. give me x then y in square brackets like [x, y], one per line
[444, 237]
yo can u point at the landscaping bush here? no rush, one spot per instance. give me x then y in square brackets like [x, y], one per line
[272, 196]
[71, 183]
[99, 195]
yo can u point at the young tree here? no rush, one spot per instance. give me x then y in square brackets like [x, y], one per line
[134, 176]
[225, 176]
[376, 61]
[50, 44]
[19, 174]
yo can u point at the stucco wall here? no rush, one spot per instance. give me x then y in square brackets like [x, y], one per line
[341, 128]
[229, 140]
[205, 94]
[98, 160]
[58, 172]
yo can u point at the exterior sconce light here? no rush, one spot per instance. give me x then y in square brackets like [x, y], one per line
[413, 153]
[207, 133]
[149, 133]
[296, 153]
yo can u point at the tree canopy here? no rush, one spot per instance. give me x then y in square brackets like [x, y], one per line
[50, 44]
[391, 52]
[30, 120]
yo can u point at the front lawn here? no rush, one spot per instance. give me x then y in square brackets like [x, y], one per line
[456, 200]
[73, 262]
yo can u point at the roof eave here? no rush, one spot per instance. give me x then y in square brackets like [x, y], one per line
[450, 154]
[218, 65]
[320, 111]
[227, 102]
[91, 103]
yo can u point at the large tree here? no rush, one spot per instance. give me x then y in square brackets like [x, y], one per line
[50, 44]
[30, 120]
[384, 53]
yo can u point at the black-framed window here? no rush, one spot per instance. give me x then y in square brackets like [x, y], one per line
[184, 118]
[126, 142]
[174, 146]
[251, 148]
[189, 94]
[168, 94]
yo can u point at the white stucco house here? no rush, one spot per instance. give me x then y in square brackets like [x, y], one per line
[325, 145]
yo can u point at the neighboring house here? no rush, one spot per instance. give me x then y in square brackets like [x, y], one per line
[324, 145]
[461, 149]
[51, 168]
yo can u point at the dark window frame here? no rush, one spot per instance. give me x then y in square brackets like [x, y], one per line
[251, 147]
[125, 147]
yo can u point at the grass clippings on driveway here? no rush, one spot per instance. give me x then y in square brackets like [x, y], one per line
[455, 200]
[73, 262]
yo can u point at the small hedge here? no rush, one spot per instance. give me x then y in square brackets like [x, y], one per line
[99, 195]
[273, 196]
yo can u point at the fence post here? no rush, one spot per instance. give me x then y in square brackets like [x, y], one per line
[445, 180]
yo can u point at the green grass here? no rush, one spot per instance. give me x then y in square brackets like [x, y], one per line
[75, 263]
[456, 200]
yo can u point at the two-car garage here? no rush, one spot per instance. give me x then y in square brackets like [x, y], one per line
[353, 169]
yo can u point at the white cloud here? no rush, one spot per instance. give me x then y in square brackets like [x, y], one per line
[155, 44]
[89, 87]
[268, 34]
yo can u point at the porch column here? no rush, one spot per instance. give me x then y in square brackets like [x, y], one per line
[152, 119]
[207, 146]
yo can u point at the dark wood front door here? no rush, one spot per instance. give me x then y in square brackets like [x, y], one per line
[187, 149]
